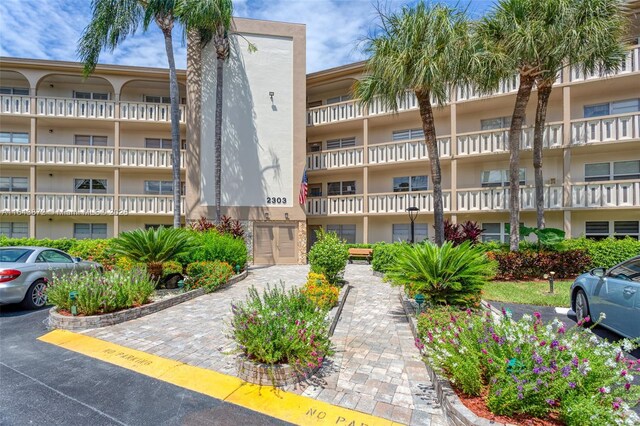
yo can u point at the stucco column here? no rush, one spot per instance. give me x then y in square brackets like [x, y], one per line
[116, 201]
[454, 162]
[566, 154]
[365, 180]
[32, 200]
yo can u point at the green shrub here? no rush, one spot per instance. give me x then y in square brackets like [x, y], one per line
[281, 327]
[95, 251]
[209, 275]
[211, 246]
[64, 244]
[384, 256]
[605, 253]
[100, 293]
[320, 291]
[451, 275]
[329, 256]
[528, 368]
[171, 267]
[359, 245]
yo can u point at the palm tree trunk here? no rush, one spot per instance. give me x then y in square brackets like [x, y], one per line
[218, 139]
[175, 123]
[515, 132]
[429, 128]
[544, 91]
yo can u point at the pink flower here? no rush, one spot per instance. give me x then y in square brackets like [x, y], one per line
[537, 315]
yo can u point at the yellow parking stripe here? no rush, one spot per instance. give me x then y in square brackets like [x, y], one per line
[268, 400]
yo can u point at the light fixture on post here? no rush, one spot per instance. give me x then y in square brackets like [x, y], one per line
[413, 214]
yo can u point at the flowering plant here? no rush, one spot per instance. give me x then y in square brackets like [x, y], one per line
[282, 326]
[527, 367]
[207, 274]
[318, 289]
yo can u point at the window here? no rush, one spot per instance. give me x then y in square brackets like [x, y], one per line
[400, 135]
[597, 230]
[21, 91]
[626, 228]
[14, 229]
[344, 232]
[621, 170]
[89, 230]
[158, 99]
[14, 184]
[14, 137]
[337, 99]
[315, 147]
[160, 143]
[496, 232]
[53, 256]
[494, 178]
[315, 190]
[90, 186]
[87, 140]
[341, 143]
[611, 108]
[341, 188]
[410, 183]
[91, 95]
[402, 232]
[496, 123]
[161, 187]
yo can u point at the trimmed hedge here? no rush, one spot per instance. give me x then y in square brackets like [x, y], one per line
[211, 246]
[384, 255]
[530, 264]
[64, 244]
[605, 253]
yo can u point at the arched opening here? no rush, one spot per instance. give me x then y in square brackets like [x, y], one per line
[75, 86]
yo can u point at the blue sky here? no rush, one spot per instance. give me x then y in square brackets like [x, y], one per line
[49, 29]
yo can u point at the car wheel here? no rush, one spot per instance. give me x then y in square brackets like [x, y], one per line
[36, 296]
[582, 307]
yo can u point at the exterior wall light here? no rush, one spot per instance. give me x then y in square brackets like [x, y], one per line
[271, 95]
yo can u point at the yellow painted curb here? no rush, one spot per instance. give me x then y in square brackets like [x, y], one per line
[267, 400]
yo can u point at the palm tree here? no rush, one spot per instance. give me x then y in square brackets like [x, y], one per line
[422, 49]
[212, 20]
[588, 35]
[111, 22]
[153, 246]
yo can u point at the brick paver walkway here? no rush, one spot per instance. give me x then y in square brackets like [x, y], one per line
[376, 368]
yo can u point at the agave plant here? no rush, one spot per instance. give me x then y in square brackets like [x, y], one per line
[447, 275]
[153, 246]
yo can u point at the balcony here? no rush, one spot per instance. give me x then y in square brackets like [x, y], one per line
[609, 194]
[346, 157]
[629, 65]
[341, 111]
[398, 202]
[70, 204]
[13, 153]
[394, 152]
[87, 108]
[143, 157]
[148, 205]
[335, 205]
[497, 199]
[605, 129]
[72, 155]
[15, 203]
[497, 141]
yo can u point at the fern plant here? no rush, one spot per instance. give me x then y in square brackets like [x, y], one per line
[447, 275]
[153, 246]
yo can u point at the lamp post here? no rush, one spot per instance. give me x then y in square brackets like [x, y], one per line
[413, 214]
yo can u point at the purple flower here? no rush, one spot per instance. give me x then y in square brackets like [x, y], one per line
[520, 396]
[537, 370]
[551, 402]
[555, 343]
[566, 370]
[572, 385]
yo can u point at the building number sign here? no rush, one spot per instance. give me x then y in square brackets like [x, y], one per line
[276, 200]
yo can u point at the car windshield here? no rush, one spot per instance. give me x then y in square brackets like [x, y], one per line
[14, 255]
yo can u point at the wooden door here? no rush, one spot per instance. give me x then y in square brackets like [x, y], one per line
[275, 243]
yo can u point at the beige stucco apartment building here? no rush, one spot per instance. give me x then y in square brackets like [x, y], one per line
[90, 158]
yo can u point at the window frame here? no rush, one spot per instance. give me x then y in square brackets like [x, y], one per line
[342, 143]
[610, 108]
[11, 186]
[11, 90]
[161, 185]
[92, 234]
[341, 231]
[93, 96]
[343, 184]
[612, 176]
[505, 123]
[12, 232]
[398, 229]
[12, 136]
[407, 134]
[91, 190]
[504, 177]
[410, 180]
[92, 140]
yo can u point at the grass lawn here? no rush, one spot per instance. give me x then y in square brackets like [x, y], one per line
[528, 292]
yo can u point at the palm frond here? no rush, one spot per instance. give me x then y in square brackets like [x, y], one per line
[153, 245]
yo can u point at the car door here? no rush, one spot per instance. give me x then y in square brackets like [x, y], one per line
[619, 296]
[57, 262]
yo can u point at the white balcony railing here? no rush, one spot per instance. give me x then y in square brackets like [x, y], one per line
[394, 152]
[75, 108]
[15, 105]
[15, 153]
[68, 204]
[605, 129]
[335, 205]
[398, 202]
[406, 102]
[489, 199]
[143, 157]
[146, 111]
[609, 194]
[148, 204]
[630, 64]
[332, 113]
[495, 141]
[72, 155]
[14, 203]
[346, 157]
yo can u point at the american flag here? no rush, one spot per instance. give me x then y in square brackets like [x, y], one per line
[304, 189]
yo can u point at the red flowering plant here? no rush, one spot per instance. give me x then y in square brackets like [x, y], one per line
[532, 368]
[281, 327]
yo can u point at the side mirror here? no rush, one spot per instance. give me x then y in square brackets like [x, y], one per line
[77, 259]
[598, 272]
